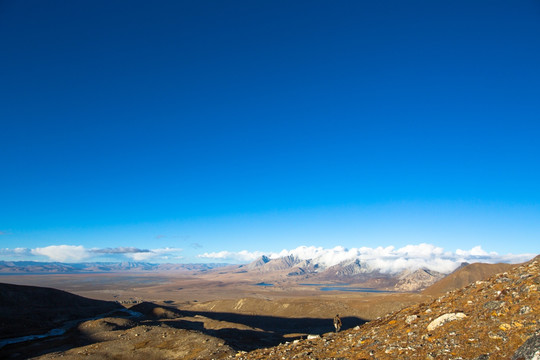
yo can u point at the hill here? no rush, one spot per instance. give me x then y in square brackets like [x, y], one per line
[466, 275]
[28, 310]
[494, 319]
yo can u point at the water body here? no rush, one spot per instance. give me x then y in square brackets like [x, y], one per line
[309, 284]
[353, 289]
[264, 284]
[346, 287]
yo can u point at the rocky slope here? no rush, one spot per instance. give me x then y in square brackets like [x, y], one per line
[484, 320]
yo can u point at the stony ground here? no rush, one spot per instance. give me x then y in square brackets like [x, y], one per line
[147, 343]
[485, 320]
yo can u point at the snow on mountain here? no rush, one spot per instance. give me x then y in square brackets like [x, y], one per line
[416, 280]
[387, 260]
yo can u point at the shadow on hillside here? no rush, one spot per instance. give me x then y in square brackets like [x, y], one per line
[263, 331]
[281, 325]
[274, 330]
[23, 350]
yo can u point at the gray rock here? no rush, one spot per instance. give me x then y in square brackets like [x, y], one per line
[411, 318]
[530, 350]
[493, 305]
[482, 357]
[524, 310]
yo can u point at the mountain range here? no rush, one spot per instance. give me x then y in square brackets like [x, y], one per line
[352, 271]
[289, 268]
[25, 267]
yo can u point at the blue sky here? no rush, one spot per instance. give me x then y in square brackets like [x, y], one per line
[207, 126]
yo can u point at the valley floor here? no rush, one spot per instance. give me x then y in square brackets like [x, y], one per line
[197, 314]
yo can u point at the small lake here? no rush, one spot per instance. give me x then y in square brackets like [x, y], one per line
[264, 284]
[346, 287]
[353, 289]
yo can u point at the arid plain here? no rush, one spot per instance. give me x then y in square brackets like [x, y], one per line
[222, 291]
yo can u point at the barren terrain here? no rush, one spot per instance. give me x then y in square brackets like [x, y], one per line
[201, 315]
[208, 314]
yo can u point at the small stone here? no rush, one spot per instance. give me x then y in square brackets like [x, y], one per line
[311, 337]
[524, 310]
[482, 357]
[411, 318]
[443, 319]
[494, 305]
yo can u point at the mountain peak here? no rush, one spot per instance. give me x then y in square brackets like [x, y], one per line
[261, 261]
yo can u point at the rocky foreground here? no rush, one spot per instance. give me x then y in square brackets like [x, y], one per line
[494, 319]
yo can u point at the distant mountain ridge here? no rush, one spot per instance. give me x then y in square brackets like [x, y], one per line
[286, 268]
[349, 271]
[25, 267]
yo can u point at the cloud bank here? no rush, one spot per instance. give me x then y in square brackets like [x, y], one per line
[386, 259]
[241, 256]
[62, 253]
[78, 253]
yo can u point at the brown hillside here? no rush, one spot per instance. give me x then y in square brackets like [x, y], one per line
[488, 320]
[28, 310]
[466, 275]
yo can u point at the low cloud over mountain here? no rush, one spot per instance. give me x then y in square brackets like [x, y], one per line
[388, 259]
[385, 259]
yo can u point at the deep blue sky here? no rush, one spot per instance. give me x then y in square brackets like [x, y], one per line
[262, 125]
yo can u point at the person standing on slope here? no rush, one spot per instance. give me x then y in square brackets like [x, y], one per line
[337, 323]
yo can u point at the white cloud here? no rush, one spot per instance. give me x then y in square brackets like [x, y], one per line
[17, 252]
[386, 259]
[73, 253]
[63, 253]
[475, 251]
[155, 254]
[241, 256]
[119, 250]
